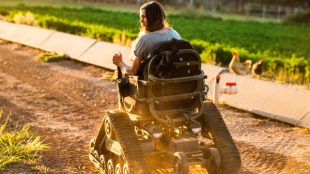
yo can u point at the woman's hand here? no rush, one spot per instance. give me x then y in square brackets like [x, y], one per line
[117, 59]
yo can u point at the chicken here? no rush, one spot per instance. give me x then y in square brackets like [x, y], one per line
[257, 68]
[235, 66]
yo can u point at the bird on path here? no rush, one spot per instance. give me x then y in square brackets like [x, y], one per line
[235, 66]
[257, 68]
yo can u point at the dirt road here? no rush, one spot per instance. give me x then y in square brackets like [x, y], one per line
[65, 101]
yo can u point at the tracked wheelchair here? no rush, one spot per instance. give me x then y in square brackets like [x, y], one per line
[164, 120]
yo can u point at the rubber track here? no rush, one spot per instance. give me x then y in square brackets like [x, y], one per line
[126, 136]
[230, 156]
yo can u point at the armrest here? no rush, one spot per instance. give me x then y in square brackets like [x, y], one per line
[143, 82]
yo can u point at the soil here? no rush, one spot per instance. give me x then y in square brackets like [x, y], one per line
[65, 101]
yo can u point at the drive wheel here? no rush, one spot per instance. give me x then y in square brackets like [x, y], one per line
[181, 165]
[215, 128]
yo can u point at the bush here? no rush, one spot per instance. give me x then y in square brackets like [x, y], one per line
[4, 12]
[301, 18]
[294, 70]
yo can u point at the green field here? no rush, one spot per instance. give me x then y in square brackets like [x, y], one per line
[285, 48]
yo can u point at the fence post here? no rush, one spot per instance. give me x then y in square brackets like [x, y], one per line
[296, 10]
[264, 12]
[191, 2]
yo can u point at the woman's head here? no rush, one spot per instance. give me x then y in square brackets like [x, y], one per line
[152, 17]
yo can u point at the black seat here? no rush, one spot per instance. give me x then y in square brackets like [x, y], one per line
[170, 80]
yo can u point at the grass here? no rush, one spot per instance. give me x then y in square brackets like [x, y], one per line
[271, 39]
[18, 145]
[50, 57]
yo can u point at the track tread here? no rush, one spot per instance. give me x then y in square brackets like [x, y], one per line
[126, 136]
[230, 156]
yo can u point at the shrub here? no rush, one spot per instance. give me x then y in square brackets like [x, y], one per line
[3, 12]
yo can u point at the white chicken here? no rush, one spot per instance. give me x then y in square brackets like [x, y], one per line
[235, 66]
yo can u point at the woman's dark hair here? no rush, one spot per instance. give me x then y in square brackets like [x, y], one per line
[155, 16]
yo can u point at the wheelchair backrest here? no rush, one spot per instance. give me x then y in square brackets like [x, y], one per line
[174, 68]
[171, 59]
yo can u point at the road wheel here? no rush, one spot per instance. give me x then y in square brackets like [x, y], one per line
[108, 128]
[181, 165]
[118, 169]
[92, 146]
[125, 169]
[214, 164]
[103, 162]
[110, 167]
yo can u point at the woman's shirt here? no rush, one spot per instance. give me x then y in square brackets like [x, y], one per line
[147, 42]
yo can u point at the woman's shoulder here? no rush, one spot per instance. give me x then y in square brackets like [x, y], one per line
[155, 35]
[145, 37]
[175, 33]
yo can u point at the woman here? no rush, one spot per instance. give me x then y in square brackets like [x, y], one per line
[153, 30]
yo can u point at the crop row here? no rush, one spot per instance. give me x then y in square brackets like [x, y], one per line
[284, 48]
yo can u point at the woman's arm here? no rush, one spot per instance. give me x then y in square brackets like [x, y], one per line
[131, 70]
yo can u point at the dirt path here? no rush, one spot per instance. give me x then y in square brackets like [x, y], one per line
[65, 102]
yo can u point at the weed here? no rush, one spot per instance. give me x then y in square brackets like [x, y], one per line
[18, 145]
[50, 57]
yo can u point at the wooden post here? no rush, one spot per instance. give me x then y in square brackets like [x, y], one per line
[279, 13]
[264, 12]
[191, 2]
[295, 10]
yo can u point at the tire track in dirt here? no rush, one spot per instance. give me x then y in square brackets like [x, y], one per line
[268, 146]
[269, 162]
